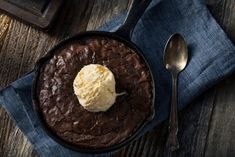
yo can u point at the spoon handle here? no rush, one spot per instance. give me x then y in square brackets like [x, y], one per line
[172, 141]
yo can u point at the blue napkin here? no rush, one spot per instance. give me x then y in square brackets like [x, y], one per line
[212, 58]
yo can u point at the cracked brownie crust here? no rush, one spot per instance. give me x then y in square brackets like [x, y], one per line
[68, 119]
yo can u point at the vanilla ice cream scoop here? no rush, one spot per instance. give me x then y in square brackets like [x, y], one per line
[94, 87]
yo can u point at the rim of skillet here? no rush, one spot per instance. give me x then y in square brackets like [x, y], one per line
[35, 97]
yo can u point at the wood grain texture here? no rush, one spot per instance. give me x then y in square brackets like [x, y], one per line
[4, 24]
[224, 13]
[221, 139]
[112, 8]
[206, 126]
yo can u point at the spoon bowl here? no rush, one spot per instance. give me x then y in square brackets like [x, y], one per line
[176, 53]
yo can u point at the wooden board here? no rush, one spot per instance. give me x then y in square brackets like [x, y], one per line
[39, 13]
[206, 125]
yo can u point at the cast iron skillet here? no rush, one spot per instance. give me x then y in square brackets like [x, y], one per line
[123, 34]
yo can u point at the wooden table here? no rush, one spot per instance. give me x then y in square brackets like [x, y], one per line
[207, 126]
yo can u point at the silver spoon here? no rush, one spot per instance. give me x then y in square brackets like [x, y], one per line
[175, 60]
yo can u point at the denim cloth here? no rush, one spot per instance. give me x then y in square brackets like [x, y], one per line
[211, 58]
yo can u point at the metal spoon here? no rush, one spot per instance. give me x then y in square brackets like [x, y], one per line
[175, 60]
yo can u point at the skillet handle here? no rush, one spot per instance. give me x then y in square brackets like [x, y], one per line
[135, 12]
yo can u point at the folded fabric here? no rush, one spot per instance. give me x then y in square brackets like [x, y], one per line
[212, 58]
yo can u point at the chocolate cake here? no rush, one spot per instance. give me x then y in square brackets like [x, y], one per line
[60, 107]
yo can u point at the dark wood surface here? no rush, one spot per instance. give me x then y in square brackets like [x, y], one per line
[39, 13]
[206, 126]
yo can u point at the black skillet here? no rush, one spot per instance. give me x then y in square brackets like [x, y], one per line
[123, 34]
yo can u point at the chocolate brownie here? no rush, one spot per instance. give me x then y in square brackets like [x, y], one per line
[68, 119]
